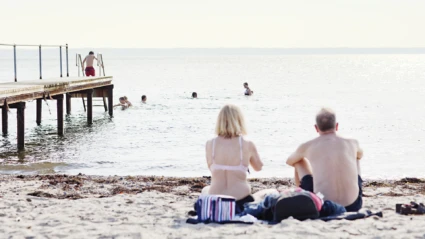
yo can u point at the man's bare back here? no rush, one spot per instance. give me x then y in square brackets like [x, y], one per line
[89, 60]
[333, 163]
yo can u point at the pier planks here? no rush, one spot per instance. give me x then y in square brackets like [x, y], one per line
[15, 92]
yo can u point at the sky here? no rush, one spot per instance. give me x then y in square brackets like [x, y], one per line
[214, 24]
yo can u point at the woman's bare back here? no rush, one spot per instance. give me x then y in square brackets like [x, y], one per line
[228, 160]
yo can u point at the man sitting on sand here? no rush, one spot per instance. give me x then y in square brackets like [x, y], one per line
[332, 161]
[89, 68]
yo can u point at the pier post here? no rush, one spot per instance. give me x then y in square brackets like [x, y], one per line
[67, 63]
[14, 61]
[39, 59]
[105, 105]
[90, 106]
[84, 103]
[68, 104]
[59, 104]
[4, 122]
[60, 56]
[20, 115]
[39, 107]
[110, 90]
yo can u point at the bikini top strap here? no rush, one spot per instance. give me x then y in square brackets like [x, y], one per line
[213, 150]
[240, 146]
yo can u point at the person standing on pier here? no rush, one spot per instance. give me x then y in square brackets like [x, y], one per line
[89, 68]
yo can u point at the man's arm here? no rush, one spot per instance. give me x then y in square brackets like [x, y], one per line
[296, 156]
[84, 62]
[359, 150]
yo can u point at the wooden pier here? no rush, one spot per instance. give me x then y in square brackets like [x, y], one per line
[14, 95]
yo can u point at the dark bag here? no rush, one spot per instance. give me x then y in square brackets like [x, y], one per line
[298, 203]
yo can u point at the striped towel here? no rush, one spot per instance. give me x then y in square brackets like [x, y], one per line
[215, 208]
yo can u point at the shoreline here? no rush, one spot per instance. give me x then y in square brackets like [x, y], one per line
[82, 186]
[83, 206]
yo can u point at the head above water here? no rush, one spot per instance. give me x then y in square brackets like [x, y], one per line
[245, 84]
[143, 98]
[91, 53]
[122, 99]
[230, 122]
[194, 95]
[326, 121]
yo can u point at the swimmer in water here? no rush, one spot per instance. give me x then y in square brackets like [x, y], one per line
[126, 101]
[122, 103]
[248, 91]
[144, 98]
[194, 95]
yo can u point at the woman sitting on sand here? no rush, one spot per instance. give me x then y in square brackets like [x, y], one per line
[229, 155]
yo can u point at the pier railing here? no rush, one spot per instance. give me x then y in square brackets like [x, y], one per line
[79, 65]
[15, 46]
[100, 64]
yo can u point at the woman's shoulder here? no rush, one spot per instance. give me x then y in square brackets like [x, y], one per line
[248, 142]
[210, 141]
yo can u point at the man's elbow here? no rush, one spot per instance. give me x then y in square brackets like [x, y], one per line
[290, 162]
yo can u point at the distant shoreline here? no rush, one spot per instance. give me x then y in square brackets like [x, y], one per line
[241, 51]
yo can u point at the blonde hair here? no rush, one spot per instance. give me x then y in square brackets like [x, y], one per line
[230, 122]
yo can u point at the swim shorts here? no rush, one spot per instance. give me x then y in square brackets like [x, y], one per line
[307, 184]
[90, 71]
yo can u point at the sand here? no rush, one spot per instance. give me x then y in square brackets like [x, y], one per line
[156, 207]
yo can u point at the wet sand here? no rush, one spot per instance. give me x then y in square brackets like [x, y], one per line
[81, 206]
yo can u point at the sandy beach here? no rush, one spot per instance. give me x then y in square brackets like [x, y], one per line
[81, 206]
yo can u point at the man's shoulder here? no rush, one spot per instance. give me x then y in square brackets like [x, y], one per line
[312, 141]
[307, 144]
[350, 140]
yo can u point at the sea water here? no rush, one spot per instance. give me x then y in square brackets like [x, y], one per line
[378, 99]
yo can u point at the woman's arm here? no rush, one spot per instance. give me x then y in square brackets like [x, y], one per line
[255, 160]
[208, 153]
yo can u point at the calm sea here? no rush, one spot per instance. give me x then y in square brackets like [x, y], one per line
[379, 100]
